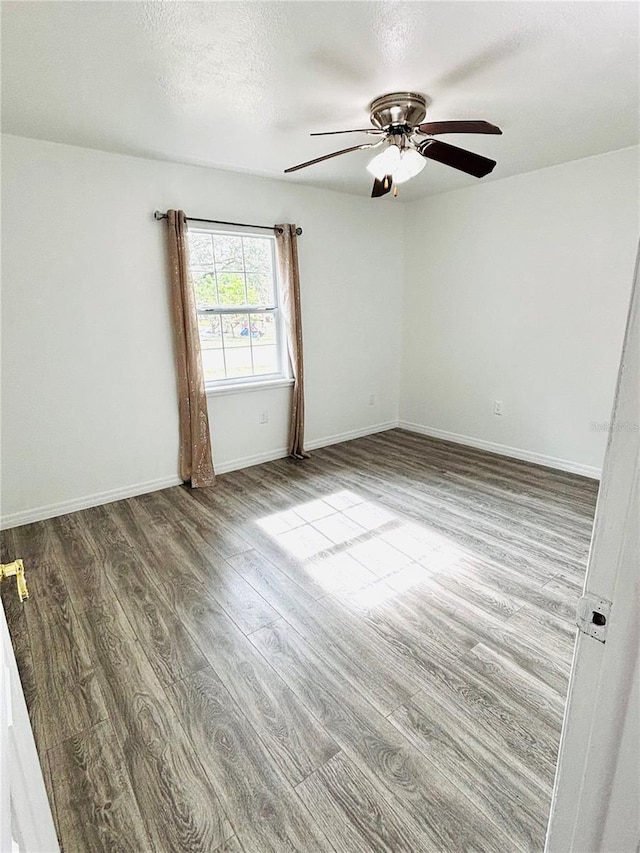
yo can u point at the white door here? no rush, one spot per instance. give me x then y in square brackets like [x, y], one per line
[596, 800]
[26, 825]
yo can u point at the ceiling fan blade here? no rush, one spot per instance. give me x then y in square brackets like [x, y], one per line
[432, 128]
[381, 187]
[458, 158]
[329, 156]
[359, 130]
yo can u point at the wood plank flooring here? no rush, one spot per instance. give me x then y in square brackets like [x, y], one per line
[366, 651]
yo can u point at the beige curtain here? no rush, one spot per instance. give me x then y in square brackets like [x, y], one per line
[287, 253]
[195, 460]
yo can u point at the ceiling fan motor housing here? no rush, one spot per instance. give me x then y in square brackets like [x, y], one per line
[398, 109]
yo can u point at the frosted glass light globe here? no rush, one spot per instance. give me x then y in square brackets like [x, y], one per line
[411, 164]
[385, 162]
[400, 164]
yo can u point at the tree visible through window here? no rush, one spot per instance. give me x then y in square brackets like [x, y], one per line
[237, 301]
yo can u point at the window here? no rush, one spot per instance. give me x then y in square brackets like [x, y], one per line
[238, 307]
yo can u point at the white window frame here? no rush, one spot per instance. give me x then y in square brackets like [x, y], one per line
[283, 376]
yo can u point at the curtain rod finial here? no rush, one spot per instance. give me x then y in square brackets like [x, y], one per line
[158, 215]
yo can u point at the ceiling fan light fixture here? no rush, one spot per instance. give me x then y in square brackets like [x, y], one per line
[411, 164]
[397, 119]
[400, 163]
[385, 163]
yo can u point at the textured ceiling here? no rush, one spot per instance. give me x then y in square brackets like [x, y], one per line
[240, 85]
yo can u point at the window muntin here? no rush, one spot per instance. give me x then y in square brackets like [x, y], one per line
[237, 301]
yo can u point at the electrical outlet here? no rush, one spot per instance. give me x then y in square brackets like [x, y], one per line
[498, 407]
[372, 399]
[263, 417]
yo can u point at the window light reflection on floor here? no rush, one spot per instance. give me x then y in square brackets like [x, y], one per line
[358, 548]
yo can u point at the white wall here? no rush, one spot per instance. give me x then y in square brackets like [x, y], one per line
[514, 290]
[89, 399]
[518, 290]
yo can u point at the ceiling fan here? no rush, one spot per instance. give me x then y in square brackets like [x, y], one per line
[397, 120]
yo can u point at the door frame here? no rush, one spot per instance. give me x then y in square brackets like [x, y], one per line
[596, 796]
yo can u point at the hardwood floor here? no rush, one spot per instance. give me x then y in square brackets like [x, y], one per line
[366, 651]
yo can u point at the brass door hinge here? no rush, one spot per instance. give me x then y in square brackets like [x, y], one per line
[8, 570]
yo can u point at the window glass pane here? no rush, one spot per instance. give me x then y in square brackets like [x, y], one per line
[231, 289]
[211, 347]
[210, 329]
[239, 363]
[263, 341]
[205, 289]
[237, 345]
[265, 361]
[267, 325]
[257, 255]
[213, 364]
[200, 249]
[228, 253]
[235, 330]
[260, 289]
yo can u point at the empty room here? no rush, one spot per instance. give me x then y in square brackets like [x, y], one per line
[320, 427]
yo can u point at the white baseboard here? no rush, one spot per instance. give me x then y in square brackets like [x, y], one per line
[248, 461]
[314, 444]
[17, 519]
[339, 437]
[504, 450]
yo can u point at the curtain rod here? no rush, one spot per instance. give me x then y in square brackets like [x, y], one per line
[158, 215]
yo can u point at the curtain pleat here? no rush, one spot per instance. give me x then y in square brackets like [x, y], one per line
[287, 254]
[195, 457]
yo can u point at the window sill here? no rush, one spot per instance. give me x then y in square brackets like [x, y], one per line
[241, 387]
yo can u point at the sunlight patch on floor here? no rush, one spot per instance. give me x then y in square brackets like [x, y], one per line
[347, 544]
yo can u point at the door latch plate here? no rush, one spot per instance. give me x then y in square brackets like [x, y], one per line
[592, 616]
